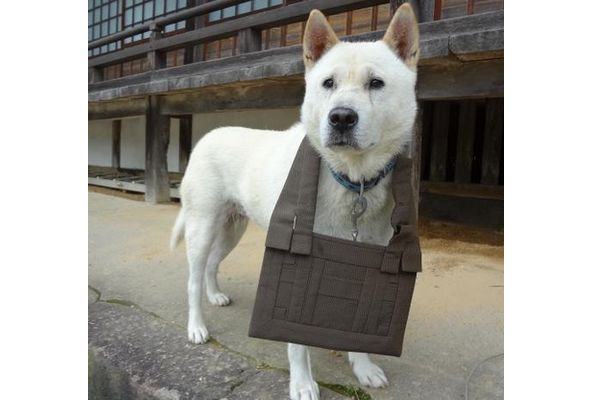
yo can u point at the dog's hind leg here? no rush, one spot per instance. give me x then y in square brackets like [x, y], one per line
[200, 232]
[366, 371]
[302, 384]
[227, 238]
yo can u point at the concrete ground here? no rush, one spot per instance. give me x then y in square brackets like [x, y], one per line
[454, 337]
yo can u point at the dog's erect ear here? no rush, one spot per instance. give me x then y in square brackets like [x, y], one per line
[318, 38]
[403, 35]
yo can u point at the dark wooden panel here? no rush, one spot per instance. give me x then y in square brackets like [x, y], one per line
[484, 213]
[465, 142]
[185, 141]
[249, 40]
[492, 141]
[439, 141]
[116, 143]
[157, 143]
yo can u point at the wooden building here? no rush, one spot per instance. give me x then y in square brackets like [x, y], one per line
[164, 72]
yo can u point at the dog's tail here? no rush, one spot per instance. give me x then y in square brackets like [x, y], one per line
[178, 230]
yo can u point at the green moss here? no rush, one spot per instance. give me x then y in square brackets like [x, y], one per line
[348, 391]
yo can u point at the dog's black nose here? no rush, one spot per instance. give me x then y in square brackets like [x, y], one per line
[342, 118]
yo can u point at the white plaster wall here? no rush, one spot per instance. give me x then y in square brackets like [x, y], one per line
[133, 137]
[100, 143]
[133, 142]
[277, 119]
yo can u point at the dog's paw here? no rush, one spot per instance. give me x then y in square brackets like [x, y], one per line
[198, 334]
[304, 390]
[369, 374]
[218, 299]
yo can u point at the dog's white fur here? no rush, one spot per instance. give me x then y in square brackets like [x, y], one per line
[236, 174]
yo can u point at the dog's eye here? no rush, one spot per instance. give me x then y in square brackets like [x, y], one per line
[328, 83]
[376, 84]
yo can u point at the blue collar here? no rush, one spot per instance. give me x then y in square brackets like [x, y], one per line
[343, 179]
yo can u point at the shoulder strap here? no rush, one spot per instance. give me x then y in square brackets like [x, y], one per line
[292, 220]
[403, 251]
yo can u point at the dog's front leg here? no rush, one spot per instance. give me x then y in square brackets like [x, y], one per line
[366, 371]
[302, 384]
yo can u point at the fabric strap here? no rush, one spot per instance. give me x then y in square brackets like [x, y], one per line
[292, 221]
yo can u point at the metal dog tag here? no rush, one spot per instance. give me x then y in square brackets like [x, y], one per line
[359, 206]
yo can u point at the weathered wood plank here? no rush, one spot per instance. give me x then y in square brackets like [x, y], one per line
[249, 40]
[157, 142]
[116, 109]
[273, 94]
[116, 144]
[492, 141]
[461, 81]
[465, 142]
[117, 184]
[185, 141]
[439, 141]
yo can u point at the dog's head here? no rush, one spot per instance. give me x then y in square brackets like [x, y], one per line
[360, 103]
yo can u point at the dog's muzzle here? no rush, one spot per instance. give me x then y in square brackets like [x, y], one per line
[342, 121]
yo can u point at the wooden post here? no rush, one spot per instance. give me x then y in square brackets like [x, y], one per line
[116, 143]
[415, 154]
[439, 141]
[156, 59]
[248, 40]
[492, 141]
[185, 141]
[157, 143]
[426, 10]
[465, 142]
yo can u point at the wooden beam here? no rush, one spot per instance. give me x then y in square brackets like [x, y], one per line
[271, 94]
[116, 143]
[249, 40]
[116, 109]
[492, 141]
[439, 141]
[461, 81]
[157, 143]
[465, 142]
[185, 141]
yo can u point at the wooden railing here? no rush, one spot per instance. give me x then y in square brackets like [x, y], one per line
[246, 28]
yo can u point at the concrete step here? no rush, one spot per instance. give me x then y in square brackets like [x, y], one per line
[136, 355]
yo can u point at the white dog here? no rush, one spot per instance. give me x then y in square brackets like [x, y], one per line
[358, 112]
